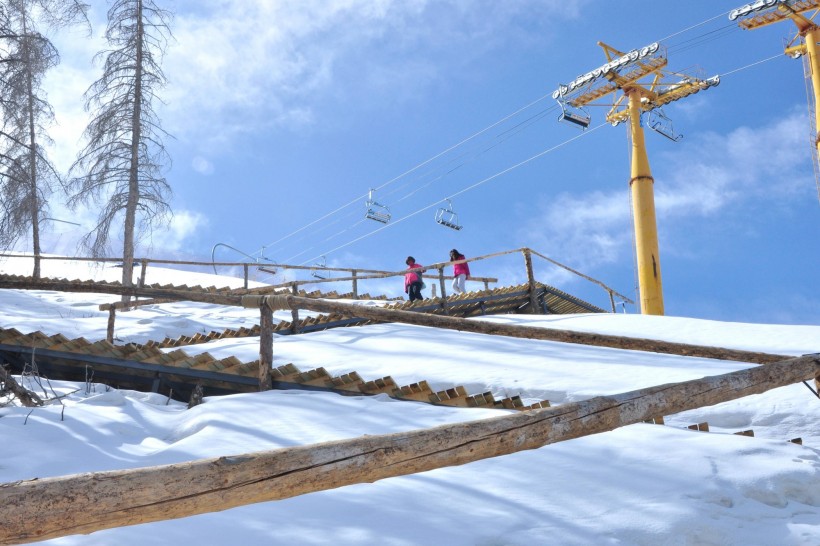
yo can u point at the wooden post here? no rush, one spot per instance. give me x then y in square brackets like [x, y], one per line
[612, 300]
[109, 334]
[817, 381]
[142, 272]
[245, 266]
[355, 284]
[265, 347]
[486, 285]
[84, 503]
[443, 289]
[531, 282]
[294, 312]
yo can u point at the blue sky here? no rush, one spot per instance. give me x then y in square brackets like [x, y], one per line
[284, 112]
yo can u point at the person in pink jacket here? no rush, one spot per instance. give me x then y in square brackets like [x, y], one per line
[461, 271]
[412, 279]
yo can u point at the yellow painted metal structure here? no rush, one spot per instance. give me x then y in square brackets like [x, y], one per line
[624, 72]
[766, 12]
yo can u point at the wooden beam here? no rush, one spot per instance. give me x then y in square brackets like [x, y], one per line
[84, 503]
[499, 329]
[409, 317]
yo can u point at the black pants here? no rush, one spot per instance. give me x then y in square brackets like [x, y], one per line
[414, 291]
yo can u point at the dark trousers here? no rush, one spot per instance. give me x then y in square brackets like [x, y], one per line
[414, 291]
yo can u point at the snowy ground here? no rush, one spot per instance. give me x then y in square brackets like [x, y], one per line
[643, 484]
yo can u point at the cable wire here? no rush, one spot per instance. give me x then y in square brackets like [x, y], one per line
[724, 14]
[465, 190]
[504, 171]
[682, 46]
[413, 169]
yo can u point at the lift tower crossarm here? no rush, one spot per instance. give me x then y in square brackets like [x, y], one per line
[767, 12]
[773, 11]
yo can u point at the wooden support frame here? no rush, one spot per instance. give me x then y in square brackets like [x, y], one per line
[534, 308]
[265, 347]
[84, 503]
[443, 298]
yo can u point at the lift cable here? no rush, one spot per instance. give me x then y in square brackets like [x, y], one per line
[465, 190]
[508, 169]
[413, 169]
[724, 14]
[470, 156]
[685, 45]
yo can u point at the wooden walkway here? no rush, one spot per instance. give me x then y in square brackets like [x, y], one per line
[147, 367]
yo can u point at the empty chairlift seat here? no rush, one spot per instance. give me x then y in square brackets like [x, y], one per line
[658, 122]
[376, 211]
[575, 116]
[448, 217]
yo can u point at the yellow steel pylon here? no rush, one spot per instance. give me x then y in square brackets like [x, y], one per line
[623, 72]
[766, 12]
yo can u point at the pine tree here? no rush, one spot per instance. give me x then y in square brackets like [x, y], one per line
[27, 177]
[121, 167]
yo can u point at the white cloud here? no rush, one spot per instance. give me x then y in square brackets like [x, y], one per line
[202, 165]
[176, 236]
[247, 64]
[706, 177]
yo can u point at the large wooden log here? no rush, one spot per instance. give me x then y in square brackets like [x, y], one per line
[526, 332]
[84, 503]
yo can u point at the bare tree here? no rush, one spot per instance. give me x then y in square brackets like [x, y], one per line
[27, 177]
[122, 164]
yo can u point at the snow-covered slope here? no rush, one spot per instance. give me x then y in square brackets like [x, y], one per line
[643, 484]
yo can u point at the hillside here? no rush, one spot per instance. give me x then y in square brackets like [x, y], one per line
[642, 484]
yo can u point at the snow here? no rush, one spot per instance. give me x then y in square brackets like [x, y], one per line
[642, 484]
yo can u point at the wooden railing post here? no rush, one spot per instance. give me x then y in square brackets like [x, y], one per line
[265, 347]
[294, 313]
[531, 282]
[443, 289]
[355, 284]
[109, 335]
[142, 273]
[246, 275]
[612, 300]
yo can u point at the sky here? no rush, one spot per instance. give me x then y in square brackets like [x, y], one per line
[284, 114]
[637, 485]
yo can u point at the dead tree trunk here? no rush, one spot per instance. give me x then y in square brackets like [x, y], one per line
[84, 503]
[25, 396]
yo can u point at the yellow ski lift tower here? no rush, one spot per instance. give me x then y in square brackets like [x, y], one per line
[766, 12]
[623, 72]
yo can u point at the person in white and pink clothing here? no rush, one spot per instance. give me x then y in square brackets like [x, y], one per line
[461, 271]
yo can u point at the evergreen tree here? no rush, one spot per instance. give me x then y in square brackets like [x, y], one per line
[27, 177]
[121, 167]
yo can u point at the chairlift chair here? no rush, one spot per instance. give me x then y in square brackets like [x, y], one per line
[658, 122]
[376, 211]
[576, 116]
[448, 217]
[322, 265]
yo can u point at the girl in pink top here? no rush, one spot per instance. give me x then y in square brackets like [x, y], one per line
[412, 279]
[460, 271]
